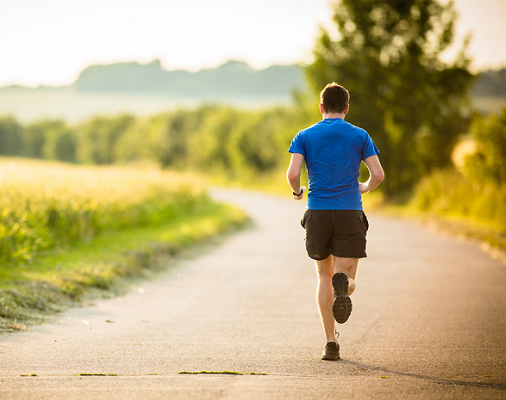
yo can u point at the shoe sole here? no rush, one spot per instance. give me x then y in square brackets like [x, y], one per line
[330, 358]
[332, 355]
[342, 302]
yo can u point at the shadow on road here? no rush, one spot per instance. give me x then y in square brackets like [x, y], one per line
[444, 381]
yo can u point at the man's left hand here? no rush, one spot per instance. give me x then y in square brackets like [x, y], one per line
[302, 190]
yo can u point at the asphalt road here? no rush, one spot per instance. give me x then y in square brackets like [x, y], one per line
[428, 321]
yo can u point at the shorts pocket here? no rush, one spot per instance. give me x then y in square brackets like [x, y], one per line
[365, 221]
[304, 219]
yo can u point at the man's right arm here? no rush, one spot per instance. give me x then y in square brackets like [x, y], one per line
[376, 174]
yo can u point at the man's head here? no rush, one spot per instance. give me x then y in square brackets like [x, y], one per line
[334, 99]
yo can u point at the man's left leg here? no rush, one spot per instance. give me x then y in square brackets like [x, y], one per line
[349, 267]
[344, 284]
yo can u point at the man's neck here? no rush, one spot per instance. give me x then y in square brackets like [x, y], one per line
[333, 116]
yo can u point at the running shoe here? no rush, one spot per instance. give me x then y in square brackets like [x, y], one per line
[342, 302]
[331, 352]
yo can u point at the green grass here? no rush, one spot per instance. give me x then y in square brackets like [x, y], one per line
[67, 231]
[479, 204]
[486, 234]
[449, 202]
[45, 205]
[29, 293]
[220, 373]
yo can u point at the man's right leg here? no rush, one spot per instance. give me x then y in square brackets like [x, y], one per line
[325, 296]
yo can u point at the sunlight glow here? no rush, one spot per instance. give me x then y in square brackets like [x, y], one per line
[51, 41]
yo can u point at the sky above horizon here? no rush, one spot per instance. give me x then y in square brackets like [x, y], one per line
[49, 42]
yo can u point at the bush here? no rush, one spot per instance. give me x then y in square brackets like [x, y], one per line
[450, 193]
[489, 161]
[11, 137]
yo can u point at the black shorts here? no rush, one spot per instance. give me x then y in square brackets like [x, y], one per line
[337, 232]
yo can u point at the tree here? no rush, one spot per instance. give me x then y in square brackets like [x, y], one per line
[34, 138]
[387, 55]
[180, 125]
[59, 141]
[98, 138]
[211, 145]
[259, 140]
[11, 137]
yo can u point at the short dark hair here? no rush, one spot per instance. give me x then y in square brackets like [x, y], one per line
[334, 98]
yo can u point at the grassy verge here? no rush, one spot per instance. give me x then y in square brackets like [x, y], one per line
[67, 230]
[45, 205]
[489, 234]
[66, 276]
[465, 207]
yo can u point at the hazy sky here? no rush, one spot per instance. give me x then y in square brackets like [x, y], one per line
[51, 41]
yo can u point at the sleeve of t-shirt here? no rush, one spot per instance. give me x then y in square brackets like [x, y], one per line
[369, 148]
[297, 145]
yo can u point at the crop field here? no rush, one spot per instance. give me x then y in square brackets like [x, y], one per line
[43, 205]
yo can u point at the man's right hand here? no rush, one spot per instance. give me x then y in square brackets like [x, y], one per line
[364, 188]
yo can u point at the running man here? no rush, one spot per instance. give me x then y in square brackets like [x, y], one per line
[334, 220]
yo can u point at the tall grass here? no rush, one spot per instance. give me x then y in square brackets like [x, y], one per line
[67, 230]
[44, 205]
[451, 194]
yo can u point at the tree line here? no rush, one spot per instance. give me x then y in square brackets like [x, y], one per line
[208, 138]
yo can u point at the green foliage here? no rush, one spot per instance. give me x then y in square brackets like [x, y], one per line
[11, 136]
[215, 139]
[97, 138]
[42, 206]
[59, 141]
[472, 201]
[412, 103]
[174, 142]
[34, 138]
[49, 284]
[488, 163]
[450, 193]
[139, 141]
[260, 140]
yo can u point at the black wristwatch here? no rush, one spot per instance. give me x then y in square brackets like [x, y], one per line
[301, 191]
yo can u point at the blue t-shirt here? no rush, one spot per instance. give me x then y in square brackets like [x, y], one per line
[333, 150]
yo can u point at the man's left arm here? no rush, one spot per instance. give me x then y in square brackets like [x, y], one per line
[293, 175]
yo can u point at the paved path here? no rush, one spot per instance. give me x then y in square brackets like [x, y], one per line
[429, 321]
